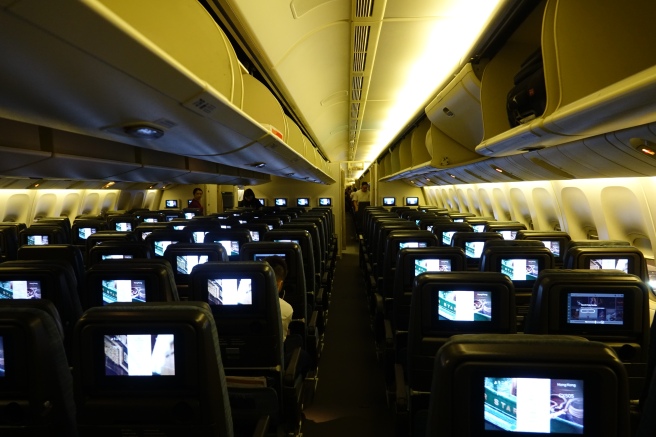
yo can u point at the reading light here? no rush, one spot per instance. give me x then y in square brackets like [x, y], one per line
[498, 169]
[143, 131]
[452, 175]
[108, 184]
[647, 151]
[258, 164]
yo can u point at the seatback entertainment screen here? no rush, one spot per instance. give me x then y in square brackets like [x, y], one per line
[123, 290]
[20, 289]
[595, 308]
[229, 291]
[139, 355]
[465, 305]
[432, 265]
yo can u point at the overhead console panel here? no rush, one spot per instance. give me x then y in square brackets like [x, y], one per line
[97, 67]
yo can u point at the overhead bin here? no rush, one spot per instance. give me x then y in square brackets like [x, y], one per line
[194, 97]
[597, 81]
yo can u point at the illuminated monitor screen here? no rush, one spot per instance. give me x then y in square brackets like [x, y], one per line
[264, 256]
[534, 405]
[178, 227]
[199, 236]
[171, 203]
[255, 235]
[115, 256]
[20, 289]
[185, 263]
[37, 240]
[231, 247]
[287, 241]
[478, 228]
[474, 249]
[619, 264]
[447, 236]
[412, 201]
[150, 220]
[189, 215]
[144, 234]
[432, 265]
[280, 201]
[389, 201]
[411, 244]
[270, 226]
[595, 308]
[123, 226]
[83, 233]
[229, 292]
[303, 201]
[325, 201]
[139, 355]
[458, 220]
[462, 305]
[160, 247]
[519, 269]
[2, 356]
[553, 246]
[508, 235]
[123, 290]
[429, 228]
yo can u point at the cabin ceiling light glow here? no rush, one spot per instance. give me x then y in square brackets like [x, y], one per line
[433, 64]
[143, 131]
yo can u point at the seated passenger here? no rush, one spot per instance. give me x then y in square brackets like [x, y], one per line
[250, 201]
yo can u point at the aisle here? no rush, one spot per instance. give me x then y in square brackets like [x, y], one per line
[350, 397]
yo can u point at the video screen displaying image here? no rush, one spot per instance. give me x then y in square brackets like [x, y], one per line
[595, 308]
[123, 290]
[144, 234]
[325, 201]
[553, 246]
[231, 247]
[303, 201]
[124, 227]
[287, 241]
[199, 236]
[189, 215]
[411, 244]
[171, 203]
[229, 292]
[139, 355]
[280, 202]
[478, 228]
[432, 265]
[160, 247]
[429, 228]
[461, 305]
[389, 201]
[264, 256]
[508, 235]
[520, 269]
[185, 263]
[20, 289]
[540, 405]
[37, 240]
[619, 264]
[410, 201]
[83, 233]
[255, 235]
[150, 220]
[115, 256]
[447, 236]
[474, 249]
[2, 357]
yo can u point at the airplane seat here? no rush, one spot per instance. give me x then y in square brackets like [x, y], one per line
[109, 236]
[43, 234]
[199, 228]
[317, 243]
[159, 240]
[52, 280]
[522, 261]
[272, 221]
[151, 217]
[365, 239]
[411, 262]
[383, 299]
[67, 252]
[150, 369]
[117, 249]
[472, 243]
[243, 297]
[628, 259]
[608, 306]
[553, 240]
[507, 229]
[36, 390]
[257, 230]
[445, 304]
[63, 223]
[445, 231]
[83, 227]
[426, 223]
[491, 384]
[231, 239]
[183, 257]
[571, 244]
[130, 280]
[306, 320]
[144, 229]
[8, 241]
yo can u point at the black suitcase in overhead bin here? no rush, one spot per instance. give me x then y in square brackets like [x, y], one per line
[528, 98]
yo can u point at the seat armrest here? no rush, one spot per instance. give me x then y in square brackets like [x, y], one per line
[262, 426]
[401, 392]
[389, 334]
[290, 372]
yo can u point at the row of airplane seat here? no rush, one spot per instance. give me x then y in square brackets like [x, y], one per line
[431, 279]
[241, 292]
